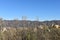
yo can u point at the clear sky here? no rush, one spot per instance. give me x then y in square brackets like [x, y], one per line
[44, 9]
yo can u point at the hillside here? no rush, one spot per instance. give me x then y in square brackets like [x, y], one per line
[29, 30]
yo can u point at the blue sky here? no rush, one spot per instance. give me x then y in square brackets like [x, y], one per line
[44, 9]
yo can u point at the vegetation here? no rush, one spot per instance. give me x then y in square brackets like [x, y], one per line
[29, 30]
[41, 34]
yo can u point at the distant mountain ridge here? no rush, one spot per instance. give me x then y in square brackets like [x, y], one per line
[26, 23]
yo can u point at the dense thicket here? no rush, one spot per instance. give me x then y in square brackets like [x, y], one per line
[29, 34]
